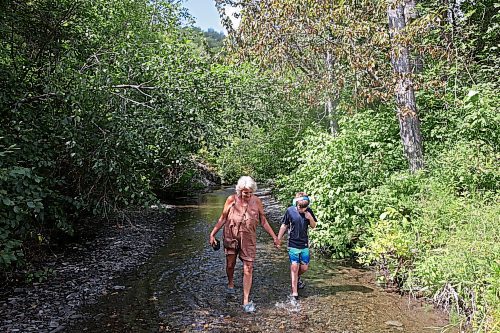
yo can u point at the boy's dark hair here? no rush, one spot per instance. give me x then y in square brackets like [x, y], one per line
[301, 199]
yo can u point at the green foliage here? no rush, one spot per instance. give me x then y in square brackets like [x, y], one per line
[447, 118]
[469, 168]
[263, 122]
[340, 172]
[481, 118]
[260, 155]
[409, 224]
[40, 275]
[102, 103]
[23, 212]
[464, 273]
[214, 39]
[477, 39]
[209, 42]
[390, 244]
[445, 244]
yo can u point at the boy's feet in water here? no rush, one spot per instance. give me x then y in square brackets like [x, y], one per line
[301, 284]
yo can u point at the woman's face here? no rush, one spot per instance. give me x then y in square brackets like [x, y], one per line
[246, 194]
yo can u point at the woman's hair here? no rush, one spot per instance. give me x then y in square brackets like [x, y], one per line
[301, 199]
[245, 182]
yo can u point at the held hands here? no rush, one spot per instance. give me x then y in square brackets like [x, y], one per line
[277, 242]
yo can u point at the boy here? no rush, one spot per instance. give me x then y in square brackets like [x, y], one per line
[297, 219]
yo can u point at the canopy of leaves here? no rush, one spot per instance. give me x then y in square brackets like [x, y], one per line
[103, 103]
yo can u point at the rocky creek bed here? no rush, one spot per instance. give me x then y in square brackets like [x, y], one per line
[84, 272]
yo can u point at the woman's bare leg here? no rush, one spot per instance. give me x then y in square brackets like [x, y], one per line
[247, 280]
[230, 264]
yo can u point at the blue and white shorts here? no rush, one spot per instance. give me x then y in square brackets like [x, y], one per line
[299, 256]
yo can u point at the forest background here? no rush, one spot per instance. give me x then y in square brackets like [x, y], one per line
[386, 112]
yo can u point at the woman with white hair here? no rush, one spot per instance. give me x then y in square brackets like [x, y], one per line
[242, 213]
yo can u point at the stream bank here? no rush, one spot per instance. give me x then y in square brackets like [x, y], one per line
[84, 272]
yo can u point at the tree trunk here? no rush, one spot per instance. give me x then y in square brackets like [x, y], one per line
[409, 123]
[330, 107]
[330, 104]
[416, 58]
[454, 13]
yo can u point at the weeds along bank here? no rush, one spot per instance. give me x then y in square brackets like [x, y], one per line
[435, 233]
[441, 238]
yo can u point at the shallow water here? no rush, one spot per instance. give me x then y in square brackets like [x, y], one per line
[182, 289]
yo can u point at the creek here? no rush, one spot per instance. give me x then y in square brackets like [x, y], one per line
[182, 289]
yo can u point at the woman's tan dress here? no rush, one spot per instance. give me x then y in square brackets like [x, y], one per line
[242, 224]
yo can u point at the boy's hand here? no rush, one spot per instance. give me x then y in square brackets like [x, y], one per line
[277, 242]
[308, 216]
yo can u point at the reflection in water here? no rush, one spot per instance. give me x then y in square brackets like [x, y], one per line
[182, 289]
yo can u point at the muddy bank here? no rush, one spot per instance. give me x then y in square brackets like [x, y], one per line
[84, 272]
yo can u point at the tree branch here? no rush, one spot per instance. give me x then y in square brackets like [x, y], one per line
[133, 101]
[35, 98]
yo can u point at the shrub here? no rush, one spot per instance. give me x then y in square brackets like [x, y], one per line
[341, 172]
[446, 245]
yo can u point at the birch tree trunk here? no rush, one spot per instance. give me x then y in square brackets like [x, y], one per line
[409, 123]
[331, 103]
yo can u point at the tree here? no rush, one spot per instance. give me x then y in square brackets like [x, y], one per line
[282, 37]
[339, 49]
[409, 123]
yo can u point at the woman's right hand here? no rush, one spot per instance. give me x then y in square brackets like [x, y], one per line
[212, 240]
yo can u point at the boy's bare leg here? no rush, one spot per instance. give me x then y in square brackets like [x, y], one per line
[247, 280]
[294, 274]
[230, 264]
[303, 269]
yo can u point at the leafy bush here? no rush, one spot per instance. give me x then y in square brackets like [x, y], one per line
[463, 274]
[260, 130]
[444, 246]
[468, 168]
[480, 119]
[23, 212]
[261, 155]
[448, 118]
[341, 172]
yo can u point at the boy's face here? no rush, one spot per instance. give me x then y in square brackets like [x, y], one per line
[302, 210]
